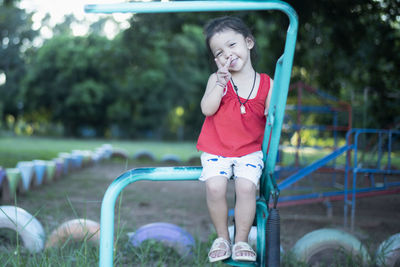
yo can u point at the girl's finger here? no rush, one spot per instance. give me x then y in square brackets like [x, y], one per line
[228, 62]
[218, 64]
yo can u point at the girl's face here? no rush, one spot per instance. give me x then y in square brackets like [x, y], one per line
[233, 46]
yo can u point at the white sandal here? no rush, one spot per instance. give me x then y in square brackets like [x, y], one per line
[220, 244]
[243, 247]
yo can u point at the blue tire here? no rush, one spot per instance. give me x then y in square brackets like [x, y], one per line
[167, 233]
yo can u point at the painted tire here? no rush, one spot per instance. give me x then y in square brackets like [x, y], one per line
[325, 244]
[67, 162]
[2, 175]
[167, 233]
[77, 159]
[4, 187]
[107, 150]
[194, 160]
[171, 159]
[77, 230]
[28, 227]
[119, 153]
[27, 175]
[59, 167]
[40, 171]
[86, 157]
[50, 170]
[144, 156]
[388, 252]
[14, 181]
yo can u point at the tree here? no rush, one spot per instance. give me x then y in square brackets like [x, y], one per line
[348, 47]
[16, 35]
[70, 78]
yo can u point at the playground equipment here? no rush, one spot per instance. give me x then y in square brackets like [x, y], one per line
[376, 176]
[272, 134]
[309, 101]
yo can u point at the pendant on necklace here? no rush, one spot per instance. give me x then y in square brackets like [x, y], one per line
[242, 109]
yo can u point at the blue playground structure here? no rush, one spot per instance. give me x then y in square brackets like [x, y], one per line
[363, 167]
[362, 177]
[272, 134]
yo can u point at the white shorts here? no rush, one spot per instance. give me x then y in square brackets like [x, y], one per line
[249, 166]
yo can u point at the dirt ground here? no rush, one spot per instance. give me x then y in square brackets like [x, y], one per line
[183, 203]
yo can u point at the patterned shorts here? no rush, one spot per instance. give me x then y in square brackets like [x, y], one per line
[249, 166]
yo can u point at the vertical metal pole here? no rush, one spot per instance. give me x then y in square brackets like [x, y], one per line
[355, 171]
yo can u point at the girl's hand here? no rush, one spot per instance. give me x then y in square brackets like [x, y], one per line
[223, 74]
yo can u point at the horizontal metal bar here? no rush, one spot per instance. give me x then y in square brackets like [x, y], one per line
[313, 198]
[368, 170]
[186, 6]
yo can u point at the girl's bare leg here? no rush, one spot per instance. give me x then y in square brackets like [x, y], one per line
[216, 188]
[245, 209]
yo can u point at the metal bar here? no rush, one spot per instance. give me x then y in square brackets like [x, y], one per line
[366, 170]
[285, 201]
[110, 197]
[319, 109]
[332, 194]
[311, 168]
[274, 118]
[188, 6]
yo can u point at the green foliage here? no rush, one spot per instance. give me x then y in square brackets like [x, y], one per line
[16, 35]
[70, 79]
[129, 86]
[347, 47]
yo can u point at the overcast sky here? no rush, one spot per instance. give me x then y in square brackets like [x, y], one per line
[59, 8]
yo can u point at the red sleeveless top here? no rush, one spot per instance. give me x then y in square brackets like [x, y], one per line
[229, 133]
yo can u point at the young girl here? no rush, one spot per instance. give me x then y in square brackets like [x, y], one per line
[235, 103]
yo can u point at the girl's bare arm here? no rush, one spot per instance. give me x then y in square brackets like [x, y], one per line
[268, 99]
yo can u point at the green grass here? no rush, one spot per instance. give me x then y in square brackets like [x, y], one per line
[85, 254]
[16, 149]
[79, 196]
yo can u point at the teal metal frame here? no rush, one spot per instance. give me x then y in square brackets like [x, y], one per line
[272, 133]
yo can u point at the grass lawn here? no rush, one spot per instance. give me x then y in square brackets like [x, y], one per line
[79, 195]
[15, 149]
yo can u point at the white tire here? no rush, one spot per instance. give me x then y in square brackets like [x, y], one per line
[388, 252]
[28, 227]
[77, 230]
[325, 244]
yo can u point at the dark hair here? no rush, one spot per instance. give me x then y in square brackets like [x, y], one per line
[225, 23]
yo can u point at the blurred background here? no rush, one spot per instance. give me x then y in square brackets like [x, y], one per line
[137, 76]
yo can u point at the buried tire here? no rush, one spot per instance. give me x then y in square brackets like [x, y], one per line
[29, 229]
[167, 233]
[79, 230]
[388, 252]
[325, 246]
